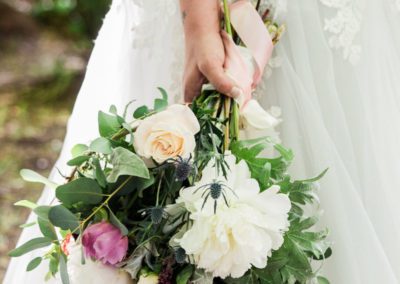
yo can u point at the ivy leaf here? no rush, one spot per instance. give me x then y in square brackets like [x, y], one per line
[31, 245]
[61, 217]
[126, 163]
[84, 190]
[34, 263]
[108, 124]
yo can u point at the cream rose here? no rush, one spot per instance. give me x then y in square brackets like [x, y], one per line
[167, 134]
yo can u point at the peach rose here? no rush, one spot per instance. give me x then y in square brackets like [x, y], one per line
[167, 134]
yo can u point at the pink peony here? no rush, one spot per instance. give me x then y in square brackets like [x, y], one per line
[104, 242]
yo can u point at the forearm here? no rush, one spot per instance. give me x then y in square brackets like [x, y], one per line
[200, 16]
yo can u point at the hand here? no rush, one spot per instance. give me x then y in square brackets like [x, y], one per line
[205, 54]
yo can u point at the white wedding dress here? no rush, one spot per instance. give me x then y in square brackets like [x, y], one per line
[335, 75]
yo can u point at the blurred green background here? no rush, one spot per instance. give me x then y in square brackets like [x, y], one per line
[44, 47]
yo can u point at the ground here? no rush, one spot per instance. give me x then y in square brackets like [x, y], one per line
[40, 75]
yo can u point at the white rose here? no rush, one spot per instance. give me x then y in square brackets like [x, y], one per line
[232, 239]
[92, 272]
[148, 279]
[167, 134]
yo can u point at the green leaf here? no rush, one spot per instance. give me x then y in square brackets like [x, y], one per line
[47, 229]
[84, 190]
[113, 109]
[26, 203]
[314, 179]
[184, 276]
[42, 212]
[63, 270]
[141, 112]
[164, 93]
[322, 280]
[116, 222]
[101, 145]
[160, 105]
[31, 176]
[78, 161]
[34, 263]
[126, 163]
[27, 225]
[108, 124]
[79, 150]
[61, 217]
[30, 246]
[100, 176]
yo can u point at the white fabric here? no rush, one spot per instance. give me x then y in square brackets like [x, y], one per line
[337, 112]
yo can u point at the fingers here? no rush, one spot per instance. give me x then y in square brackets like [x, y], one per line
[215, 73]
[192, 83]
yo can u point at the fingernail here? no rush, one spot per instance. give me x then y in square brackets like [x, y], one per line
[236, 92]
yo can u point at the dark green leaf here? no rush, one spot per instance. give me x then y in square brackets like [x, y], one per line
[126, 163]
[34, 263]
[83, 190]
[141, 112]
[30, 246]
[184, 276]
[61, 217]
[108, 124]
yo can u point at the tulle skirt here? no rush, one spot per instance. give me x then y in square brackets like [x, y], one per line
[337, 83]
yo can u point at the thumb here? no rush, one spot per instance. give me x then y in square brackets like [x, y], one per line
[220, 80]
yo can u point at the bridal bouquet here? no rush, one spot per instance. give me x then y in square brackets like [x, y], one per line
[174, 194]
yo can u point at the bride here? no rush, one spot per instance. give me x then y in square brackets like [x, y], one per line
[335, 75]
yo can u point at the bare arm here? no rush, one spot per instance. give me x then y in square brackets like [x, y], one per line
[205, 54]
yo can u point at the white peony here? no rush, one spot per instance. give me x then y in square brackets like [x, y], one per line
[238, 236]
[92, 272]
[167, 134]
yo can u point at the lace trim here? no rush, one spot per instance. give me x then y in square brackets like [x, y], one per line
[344, 27]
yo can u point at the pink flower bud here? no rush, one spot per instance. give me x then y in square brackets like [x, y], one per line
[104, 242]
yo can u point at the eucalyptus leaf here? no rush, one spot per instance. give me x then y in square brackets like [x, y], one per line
[42, 212]
[79, 150]
[26, 203]
[34, 263]
[61, 217]
[101, 145]
[126, 163]
[47, 229]
[63, 270]
[31, 245]
[83, 190]
[100, 176]
[116, 222]
[77, 161]
[108, 124]
[31, 176]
